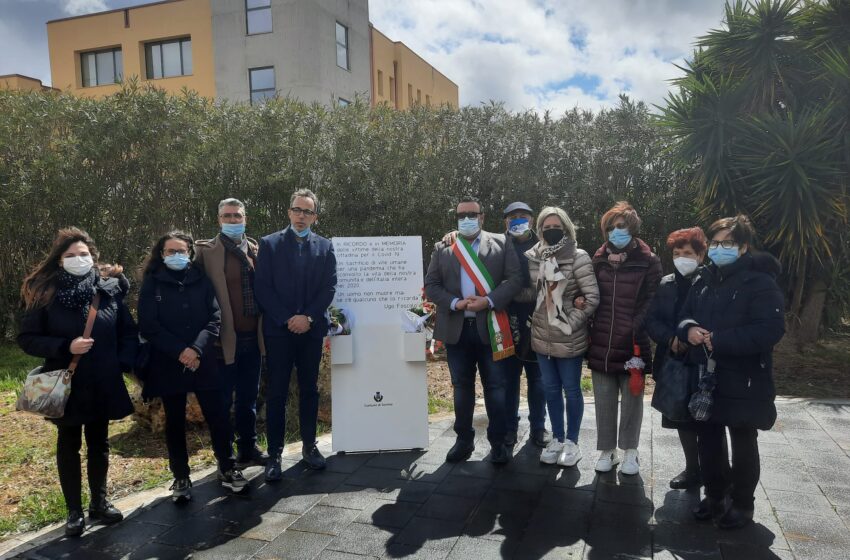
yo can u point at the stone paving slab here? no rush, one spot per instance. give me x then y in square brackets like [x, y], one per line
[413, 505]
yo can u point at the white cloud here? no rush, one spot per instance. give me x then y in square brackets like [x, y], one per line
[80, 7]
[529, 52]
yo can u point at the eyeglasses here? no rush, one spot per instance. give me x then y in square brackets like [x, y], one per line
[726, 244]
[172, 252]
[462, 215]
[302, 211]
[236, 216]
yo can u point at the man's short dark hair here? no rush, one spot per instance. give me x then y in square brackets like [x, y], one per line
[469, 198]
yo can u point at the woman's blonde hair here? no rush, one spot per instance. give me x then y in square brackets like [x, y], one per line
[569, 227]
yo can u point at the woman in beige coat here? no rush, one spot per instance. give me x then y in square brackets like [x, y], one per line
[561, 272]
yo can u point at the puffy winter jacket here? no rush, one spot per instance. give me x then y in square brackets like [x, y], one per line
[743, 308]
[624, 295]
[575, 264]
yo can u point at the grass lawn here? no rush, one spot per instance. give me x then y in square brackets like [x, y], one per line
[30, 496]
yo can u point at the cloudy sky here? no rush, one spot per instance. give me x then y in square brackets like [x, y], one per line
[540, 54]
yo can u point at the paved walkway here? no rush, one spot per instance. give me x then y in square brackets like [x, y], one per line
[413, 505]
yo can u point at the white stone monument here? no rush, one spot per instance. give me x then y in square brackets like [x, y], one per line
[379, 386]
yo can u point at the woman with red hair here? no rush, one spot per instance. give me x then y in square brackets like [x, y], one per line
[628, 273]
[688, 247]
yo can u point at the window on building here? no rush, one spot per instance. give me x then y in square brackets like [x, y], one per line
[410, 94]
[342, 46]
[419, 97]
[168, 58]
[427, 100]
[261, 84]
[392, 89]
[102, 67]
[380, 83]
[258, 14]
[343, 102]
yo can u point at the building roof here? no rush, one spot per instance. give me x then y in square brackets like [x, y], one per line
[113, 11]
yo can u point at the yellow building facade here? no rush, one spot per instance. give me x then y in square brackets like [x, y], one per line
[18, 82]
[128, 35]
[209, 46]
[403, 79]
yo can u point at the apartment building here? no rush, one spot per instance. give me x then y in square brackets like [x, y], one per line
[244, 50]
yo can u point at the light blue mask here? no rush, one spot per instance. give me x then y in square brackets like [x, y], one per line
[722, 256]
[233, 230]
[619, 237]
[177, 261]
[303, 233]
[468, 226]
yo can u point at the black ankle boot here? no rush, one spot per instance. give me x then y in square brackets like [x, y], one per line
[708, 509]
[735, 518]
[686, 479]
[75, 524]
[105, 512]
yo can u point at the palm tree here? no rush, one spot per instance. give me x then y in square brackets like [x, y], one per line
[763, 111]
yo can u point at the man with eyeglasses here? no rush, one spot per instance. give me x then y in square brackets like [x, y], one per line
[229, 261]
[472, 281]
[295, 284]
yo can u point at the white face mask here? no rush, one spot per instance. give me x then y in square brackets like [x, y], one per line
[78, 266]
[685, 265]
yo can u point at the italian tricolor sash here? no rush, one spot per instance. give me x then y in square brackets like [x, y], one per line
[498, 325]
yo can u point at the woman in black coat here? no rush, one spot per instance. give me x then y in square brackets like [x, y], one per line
[57, 296]
[688, 247]
[180, 318]
[736, 310]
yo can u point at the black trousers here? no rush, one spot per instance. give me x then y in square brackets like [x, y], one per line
[175, 430]
[746, 466]
[68, 442]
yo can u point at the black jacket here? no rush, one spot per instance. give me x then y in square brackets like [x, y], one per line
[97, 388]
[743, 307]
[178, 310]
[663, 315]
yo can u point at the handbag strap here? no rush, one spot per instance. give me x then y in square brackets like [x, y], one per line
[87, 332]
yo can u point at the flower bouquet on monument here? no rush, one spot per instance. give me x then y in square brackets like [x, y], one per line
[339, 321]
[420, 318]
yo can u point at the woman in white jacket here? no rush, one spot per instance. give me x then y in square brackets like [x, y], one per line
[560, 272]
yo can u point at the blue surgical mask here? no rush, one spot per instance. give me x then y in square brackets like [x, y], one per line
[233, 230]
[468, 227]
[722, 256]
[303, 233]
[619, 237]
[518, 227]
[177, 261]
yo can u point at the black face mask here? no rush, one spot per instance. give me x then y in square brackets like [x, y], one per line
[552, 236]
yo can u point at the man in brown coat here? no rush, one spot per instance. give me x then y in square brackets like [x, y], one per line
[228, 260]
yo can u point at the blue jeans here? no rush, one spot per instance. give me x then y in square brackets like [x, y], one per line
[463, 358]
[536, 397]
[242, 384]
[560, 376]
[303, 351]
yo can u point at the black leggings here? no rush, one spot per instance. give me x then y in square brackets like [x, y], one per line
[68, 442]
[746, 467]
[175, 430]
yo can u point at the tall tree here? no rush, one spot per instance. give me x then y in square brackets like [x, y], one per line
[763, 111]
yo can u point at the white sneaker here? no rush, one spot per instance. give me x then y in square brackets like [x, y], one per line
[570, 455]
[550, 455]
[607, 460]
[631, 464]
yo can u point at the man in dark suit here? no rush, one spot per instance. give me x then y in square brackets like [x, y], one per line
[454, 282]
[294, 283]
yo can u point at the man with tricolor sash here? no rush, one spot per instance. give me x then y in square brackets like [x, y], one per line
[473, 281]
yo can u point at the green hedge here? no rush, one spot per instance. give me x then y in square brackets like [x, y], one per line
[130, 166]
